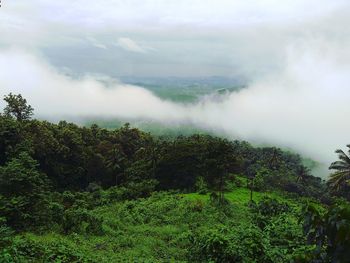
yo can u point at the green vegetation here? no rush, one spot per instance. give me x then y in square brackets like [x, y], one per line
[78, 194]
[339, 180]
[152, 127]
[186, 90]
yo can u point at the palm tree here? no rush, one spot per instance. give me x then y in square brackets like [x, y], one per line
[114, 161]
[274, 161]
[303, 173]
[341, 177]
[150, 153]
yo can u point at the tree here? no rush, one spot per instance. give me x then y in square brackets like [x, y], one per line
[340, 179]
[115, 161]
[274, 160]
[251, 174]
[9, 137]
[303, 173]
[23, 192]
[17, 106]
[219, 162]
[178, 164]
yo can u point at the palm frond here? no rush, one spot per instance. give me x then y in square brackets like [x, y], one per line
[338, 179]
[339, 165]
[342, 156]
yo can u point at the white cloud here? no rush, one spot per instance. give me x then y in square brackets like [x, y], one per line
[52, 93]
[96, 43]
[130, 45]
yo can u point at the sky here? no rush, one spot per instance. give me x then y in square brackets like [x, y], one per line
[168, 38]
[67, 57]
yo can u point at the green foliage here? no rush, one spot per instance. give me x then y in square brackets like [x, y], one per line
[78, 220]
[245, 243]
[23, 191]
[329, 232]
[161, 228]
[5, 233]
[9, 137]
[219, 200]
[280, 225]
[28, 249]
[339, 181]
[270, 207]
[201, 185]
[17, 106]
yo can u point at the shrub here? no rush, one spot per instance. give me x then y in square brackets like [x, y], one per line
[221, 244]
[266, 209]
[28, 249]
[270, 207]
[81, 221]
[201, 186]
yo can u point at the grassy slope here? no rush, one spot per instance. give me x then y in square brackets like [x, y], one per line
[152, 229]
[239, 196]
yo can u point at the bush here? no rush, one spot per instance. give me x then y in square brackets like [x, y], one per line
[5, 233]
[242, 244]
[270, 207]
[6, 239]
[140, 189]
[266, 209]
[81, 221]
[201, 186]
[27, 249]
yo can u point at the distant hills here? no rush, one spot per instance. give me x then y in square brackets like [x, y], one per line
[189, 89]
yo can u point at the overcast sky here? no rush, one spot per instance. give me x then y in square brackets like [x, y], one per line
[170, 38]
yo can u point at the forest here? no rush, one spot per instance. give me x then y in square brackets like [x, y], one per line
[70, 193]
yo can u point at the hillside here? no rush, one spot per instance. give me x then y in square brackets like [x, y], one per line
[170, 227]
[89, 194]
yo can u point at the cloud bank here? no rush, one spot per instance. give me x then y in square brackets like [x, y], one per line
[55, 94]
[303, 106]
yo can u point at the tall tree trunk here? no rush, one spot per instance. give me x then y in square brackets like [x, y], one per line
[251, 189]
[221, 189]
